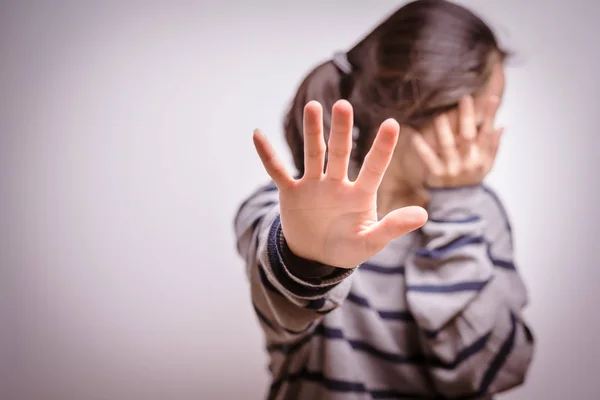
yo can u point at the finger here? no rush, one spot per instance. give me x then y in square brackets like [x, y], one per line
[491, 109]
[466, 118]
[340, 141]
[488, 137]
[379, 156]
[395, 224]
[495, 142]
[446, 142]
[473, 155]
[314, 143]
[492, 151]
[428, 155]
[271, 161]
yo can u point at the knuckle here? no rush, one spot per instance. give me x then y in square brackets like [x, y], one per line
[453, 171]
[381, 151]
[475, 168]
[374, 169]
[315, 153]
[438, 174]
[338, 153]
[470, 169]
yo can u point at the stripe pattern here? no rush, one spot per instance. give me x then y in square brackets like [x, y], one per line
[435, 315]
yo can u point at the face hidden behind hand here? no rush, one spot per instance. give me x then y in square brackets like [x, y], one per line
[407, 173]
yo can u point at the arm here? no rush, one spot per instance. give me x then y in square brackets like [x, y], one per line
[467, 297]
[319, 216]
[289, 294]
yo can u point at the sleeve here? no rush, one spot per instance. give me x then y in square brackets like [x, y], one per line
[467, 296]
[289, 294]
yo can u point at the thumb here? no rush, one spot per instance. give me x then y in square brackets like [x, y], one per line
[395, 224]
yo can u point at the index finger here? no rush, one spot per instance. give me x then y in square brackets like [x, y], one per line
[491, 108]
[466, 118]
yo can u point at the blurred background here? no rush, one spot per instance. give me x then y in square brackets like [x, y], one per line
[125, 150]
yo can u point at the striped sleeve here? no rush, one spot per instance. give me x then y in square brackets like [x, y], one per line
[289, 294]
[467, 297]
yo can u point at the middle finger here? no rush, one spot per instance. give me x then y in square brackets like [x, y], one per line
[446, 141]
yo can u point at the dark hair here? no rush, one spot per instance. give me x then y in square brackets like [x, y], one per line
[416, 64]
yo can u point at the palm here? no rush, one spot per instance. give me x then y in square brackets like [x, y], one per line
[325, 217]
[333, 218]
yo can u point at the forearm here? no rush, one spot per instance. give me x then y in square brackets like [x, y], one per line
[451, 265]
[289, 293]
[486, 349]
[466, 296]
[314, 289]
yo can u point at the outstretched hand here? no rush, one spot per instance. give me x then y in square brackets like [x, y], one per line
[326, 217]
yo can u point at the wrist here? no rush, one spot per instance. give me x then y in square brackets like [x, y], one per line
[307, 270]
[450, 202]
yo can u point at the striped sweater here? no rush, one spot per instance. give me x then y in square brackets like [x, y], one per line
[435, 315]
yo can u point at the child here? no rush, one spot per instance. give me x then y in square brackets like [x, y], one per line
[385, 269]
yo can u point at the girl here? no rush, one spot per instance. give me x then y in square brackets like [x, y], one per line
[385, 268]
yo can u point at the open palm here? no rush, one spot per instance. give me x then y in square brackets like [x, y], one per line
[325, 217]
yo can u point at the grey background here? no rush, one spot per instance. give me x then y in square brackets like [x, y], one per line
[125, 148]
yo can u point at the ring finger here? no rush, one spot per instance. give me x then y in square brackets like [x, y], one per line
[447, 143]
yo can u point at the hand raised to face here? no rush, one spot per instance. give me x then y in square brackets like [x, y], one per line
[468, 164]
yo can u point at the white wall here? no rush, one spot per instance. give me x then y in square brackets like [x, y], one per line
[125, 148]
